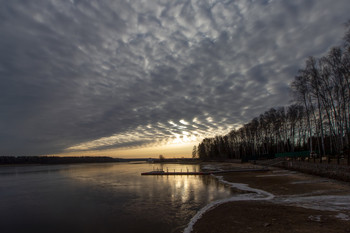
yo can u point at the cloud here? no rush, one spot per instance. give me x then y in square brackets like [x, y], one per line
[81, 75]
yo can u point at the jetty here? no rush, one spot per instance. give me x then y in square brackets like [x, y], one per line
[201, 173]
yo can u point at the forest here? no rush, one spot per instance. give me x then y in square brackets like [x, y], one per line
[317, 122]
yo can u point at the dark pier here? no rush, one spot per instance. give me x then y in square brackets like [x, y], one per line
[204, 173]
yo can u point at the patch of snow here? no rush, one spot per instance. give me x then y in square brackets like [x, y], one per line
[342, 216]
[279, 173]
[315, 218]
[244, 187]
[208, 167]
[324, 202]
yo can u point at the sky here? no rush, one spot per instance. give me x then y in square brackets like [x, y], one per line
[141, 78]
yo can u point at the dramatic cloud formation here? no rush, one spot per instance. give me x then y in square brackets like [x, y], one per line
[99, 74]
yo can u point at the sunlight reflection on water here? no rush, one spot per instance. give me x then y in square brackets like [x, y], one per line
[102, 198]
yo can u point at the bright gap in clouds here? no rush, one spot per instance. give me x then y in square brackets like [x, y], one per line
[175, 150]
[183, 136]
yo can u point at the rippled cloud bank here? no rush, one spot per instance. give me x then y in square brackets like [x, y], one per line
[91, 75]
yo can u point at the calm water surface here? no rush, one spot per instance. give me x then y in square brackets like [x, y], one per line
[102, 198]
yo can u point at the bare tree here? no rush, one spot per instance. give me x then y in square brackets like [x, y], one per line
[194, 152]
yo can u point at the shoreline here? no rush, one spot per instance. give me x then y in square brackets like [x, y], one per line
[239, 198]
[296, 196]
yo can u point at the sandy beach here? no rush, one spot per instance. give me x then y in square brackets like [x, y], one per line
[277, 201]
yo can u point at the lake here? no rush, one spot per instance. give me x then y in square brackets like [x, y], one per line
[109, 197]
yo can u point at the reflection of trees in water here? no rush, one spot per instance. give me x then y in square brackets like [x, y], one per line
[211, 181]
[175, 199]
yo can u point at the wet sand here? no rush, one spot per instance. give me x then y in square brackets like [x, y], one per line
[267, 217]
[300, 203]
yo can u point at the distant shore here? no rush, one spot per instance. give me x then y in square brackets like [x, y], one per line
[301, 203]
[26, 160]
[23, 160]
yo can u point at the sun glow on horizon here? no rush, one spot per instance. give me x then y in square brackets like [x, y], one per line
[174, 139]
[180, 145]
[168, 151]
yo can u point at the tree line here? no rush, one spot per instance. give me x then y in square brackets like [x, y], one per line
[318, 120]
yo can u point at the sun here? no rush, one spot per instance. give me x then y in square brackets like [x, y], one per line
[184, 138]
